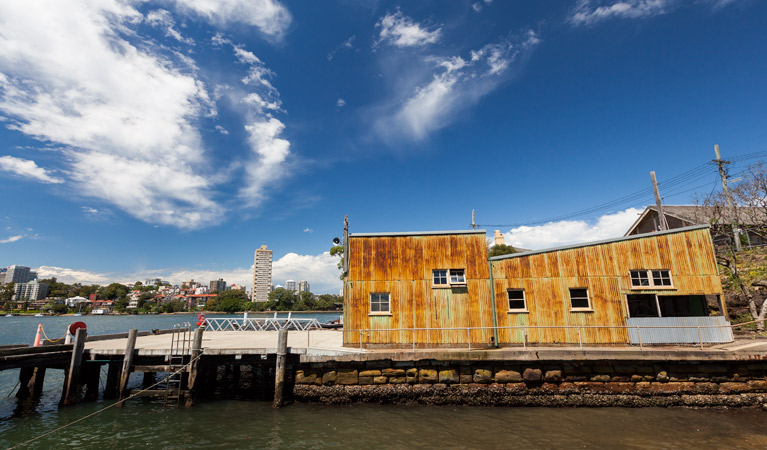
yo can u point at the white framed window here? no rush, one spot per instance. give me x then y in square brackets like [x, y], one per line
[651, 279]
[448, 277]
[579, 299]
[457, 276]
[517, 302]
[439, 277]
[379, 303]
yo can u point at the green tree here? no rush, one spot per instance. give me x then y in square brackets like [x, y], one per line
[232, 300]
[282, 299]
[338, 250]
[501, 249]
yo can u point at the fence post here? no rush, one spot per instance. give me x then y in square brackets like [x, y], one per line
[524, 338]
[360, 340]
[700, 339]
[308, 336]
[580, 339]
[639, 334]
[468, 337]
[413, 330]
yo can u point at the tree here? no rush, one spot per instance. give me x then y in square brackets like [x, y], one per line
[282, 299]
[501, 249]
[750, 201]
[338, 250]
[231, 301]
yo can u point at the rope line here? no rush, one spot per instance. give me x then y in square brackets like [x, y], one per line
[49, 339]
[107, 407]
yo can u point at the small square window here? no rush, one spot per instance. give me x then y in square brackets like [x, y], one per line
[440, 277]
[579, 298]
[457, 276]
[517, 300]
[661, 278]
[379, 302]
[639, 278]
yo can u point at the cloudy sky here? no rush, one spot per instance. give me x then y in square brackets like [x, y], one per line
[172, 138]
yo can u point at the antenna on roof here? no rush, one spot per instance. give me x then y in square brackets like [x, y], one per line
[661, 217]
[473, 223]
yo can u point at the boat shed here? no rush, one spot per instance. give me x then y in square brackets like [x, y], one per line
[439, 289]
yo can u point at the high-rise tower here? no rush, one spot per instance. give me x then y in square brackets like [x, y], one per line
[262, 274]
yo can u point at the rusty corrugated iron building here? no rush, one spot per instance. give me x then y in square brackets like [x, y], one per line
[440, 289]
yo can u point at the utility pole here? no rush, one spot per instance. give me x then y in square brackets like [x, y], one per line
[661, 217]
[473, 223]
[727, 197]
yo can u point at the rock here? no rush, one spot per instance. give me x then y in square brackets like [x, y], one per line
[411, 380]
[636, 378]
[347, 377]
[307, 377]
[662, 376]
[329, 378]
[483, 376]
[365, 380]
[412, 372]
[428, 376]
[393, 372]
[601, 378]
[532, 375]
[553, 375]
[398, 380]
[380, 380]
[370, 373]
[466, 378]
[449, 376]
[508, 376]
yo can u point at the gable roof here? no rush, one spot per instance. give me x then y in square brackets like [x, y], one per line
[699, 215]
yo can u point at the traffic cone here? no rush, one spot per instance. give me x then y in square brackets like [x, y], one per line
[38, 336]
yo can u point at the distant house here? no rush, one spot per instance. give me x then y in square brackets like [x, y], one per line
[440, 289]
[752, 221]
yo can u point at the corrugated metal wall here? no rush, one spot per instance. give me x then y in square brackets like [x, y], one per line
[402, 266]
[604, 270]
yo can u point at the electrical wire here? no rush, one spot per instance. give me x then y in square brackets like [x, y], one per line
[643, 196]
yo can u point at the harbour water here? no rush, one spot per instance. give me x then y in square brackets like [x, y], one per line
[144, 423]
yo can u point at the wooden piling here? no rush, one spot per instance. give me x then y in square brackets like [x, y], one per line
[194, 366]
[38, 381]
[113, 373]
[127, 365]
[91, 376]
[25, 375]
[279, 373]
[72, 379]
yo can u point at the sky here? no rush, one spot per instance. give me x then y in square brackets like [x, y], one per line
[171, 138]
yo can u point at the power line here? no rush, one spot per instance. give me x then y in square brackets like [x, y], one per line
[644, 195]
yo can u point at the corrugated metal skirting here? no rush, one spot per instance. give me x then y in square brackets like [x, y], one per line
[721, 334]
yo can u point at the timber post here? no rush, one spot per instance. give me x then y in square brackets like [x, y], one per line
[194, 365]
[25, 375]
[113, 373]
[279, 373]
[72, 379]
[127, 364]
[91, 375]
[37, 381]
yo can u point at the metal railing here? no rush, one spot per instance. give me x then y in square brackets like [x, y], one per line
[261, 324]
[584, 333]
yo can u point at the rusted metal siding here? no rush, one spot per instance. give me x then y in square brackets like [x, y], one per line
[402, 266]
[603, 269]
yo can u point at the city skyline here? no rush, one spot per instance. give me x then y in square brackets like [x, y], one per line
[171, 139]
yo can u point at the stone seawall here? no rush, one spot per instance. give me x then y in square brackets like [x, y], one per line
[556, 383]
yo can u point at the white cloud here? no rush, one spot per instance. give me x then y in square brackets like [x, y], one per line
[162, 19]
[319, 270]
[123, 109]
[70, 276]
[222, 130]
[401, 31]
[477, 7]
[270, 152]
[269, 16]
[455, 84]
[340, 103]
[308, 230]
[89, 210]
[10, 239]
[27, 168]
[566, 232]
[345, 45]
[587, 13]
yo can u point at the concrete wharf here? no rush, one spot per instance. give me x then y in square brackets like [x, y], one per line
[316, 367]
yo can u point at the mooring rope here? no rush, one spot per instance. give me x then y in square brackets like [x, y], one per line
[13, 389]
[110, 406]
[49, 339]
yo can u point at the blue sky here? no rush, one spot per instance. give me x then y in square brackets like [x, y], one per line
[172, 138]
